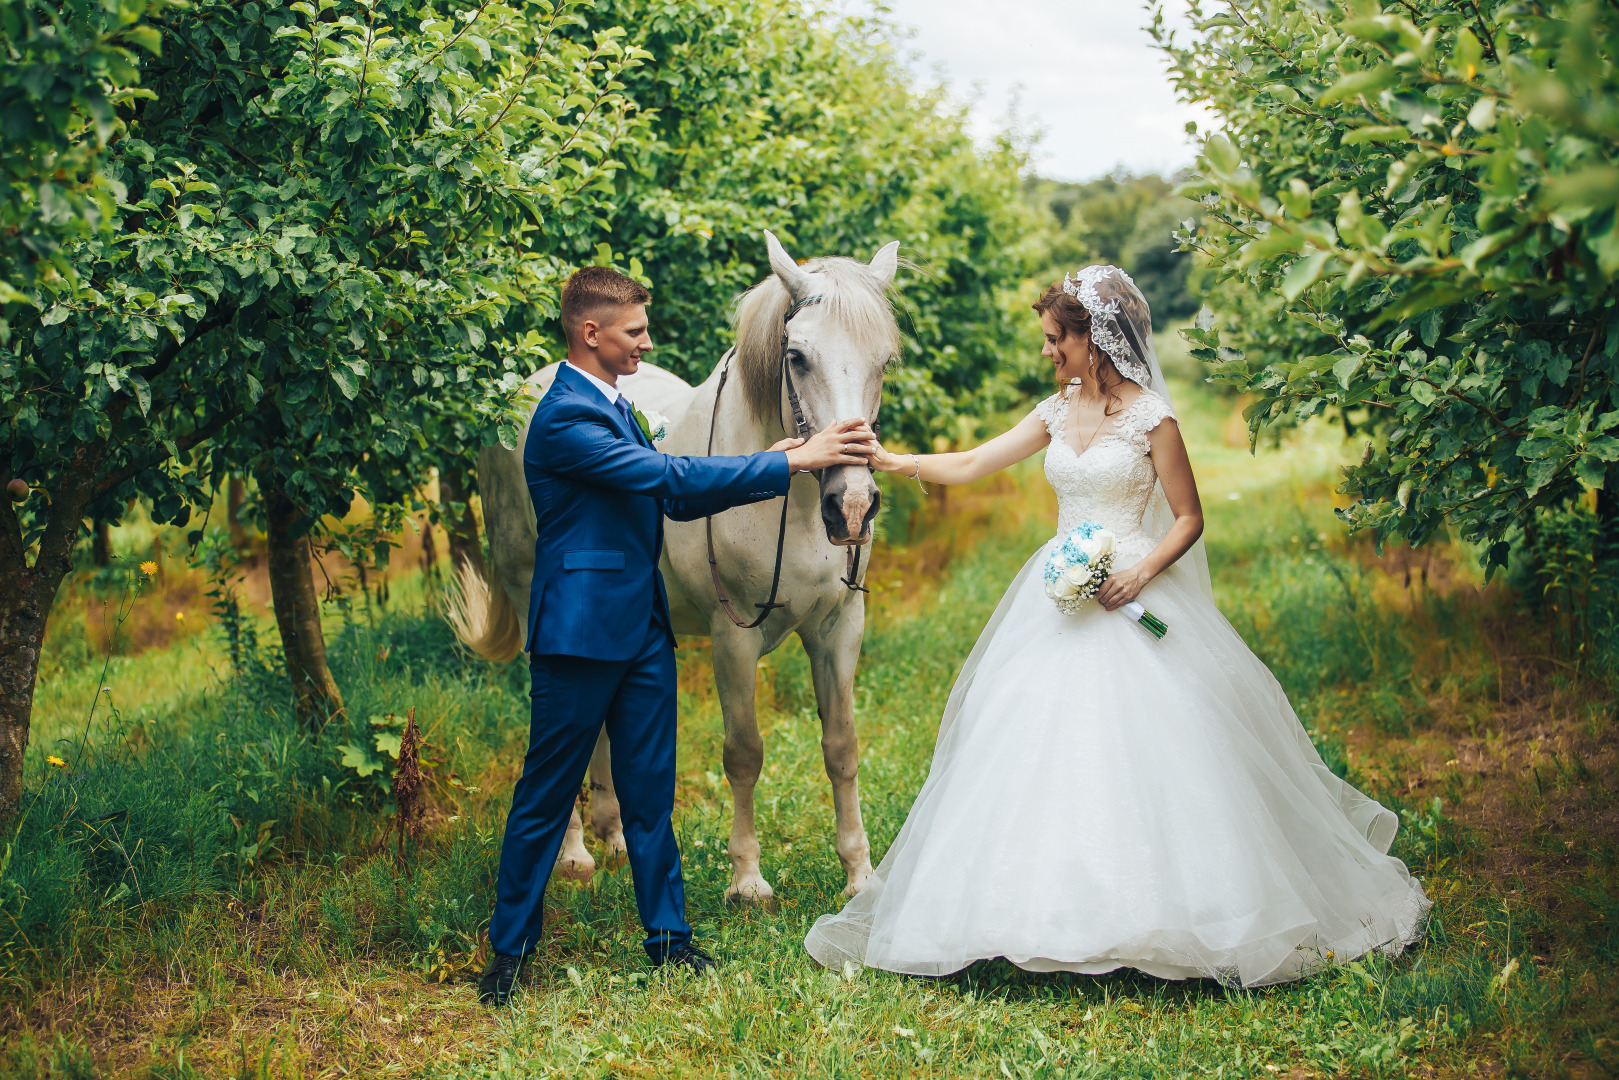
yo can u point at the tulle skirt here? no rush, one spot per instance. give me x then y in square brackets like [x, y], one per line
[1100, 799]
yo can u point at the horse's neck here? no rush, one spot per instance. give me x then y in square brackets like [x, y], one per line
[736, 430]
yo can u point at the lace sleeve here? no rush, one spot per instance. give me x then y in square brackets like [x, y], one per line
[1146, 413]
[1052, 410]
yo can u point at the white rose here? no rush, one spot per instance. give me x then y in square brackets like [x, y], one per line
[1078, 576]
[1104, 541]
[659, 424]
[1064, 588]
[1091, 546]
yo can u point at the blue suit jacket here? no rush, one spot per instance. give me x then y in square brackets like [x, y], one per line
[600, 494]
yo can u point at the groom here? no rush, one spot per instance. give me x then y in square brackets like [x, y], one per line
[600, 641]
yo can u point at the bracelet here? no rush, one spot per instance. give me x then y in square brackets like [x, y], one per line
[917, 475]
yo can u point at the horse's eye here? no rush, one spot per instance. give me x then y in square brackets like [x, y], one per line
[797, 359]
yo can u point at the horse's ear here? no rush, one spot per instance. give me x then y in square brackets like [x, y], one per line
[885, 262]
[791, 275]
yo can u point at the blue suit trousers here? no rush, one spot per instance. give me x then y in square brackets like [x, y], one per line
[571, 699]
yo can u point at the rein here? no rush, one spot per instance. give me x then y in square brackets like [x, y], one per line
[802, 427]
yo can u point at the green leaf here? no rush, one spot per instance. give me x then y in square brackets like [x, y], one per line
[360, 760]
[1481, 117]
[143, 392]
[1596, 188]
[1358, 83]
[1296, 199]
[1304, 273]
[1542, 473]
[346, 381]
[1604, 244]
[1468, 53]
[1221, 154]
[1591, 470]
[1346, 367]
[1375, 133]
[147, 37]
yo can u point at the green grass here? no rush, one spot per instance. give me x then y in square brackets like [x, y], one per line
[205, 893]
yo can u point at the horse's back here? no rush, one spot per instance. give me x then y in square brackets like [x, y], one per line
[651, 387]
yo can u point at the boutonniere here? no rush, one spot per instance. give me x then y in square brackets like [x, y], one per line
[655, 426]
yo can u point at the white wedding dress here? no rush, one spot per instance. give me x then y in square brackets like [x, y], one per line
[1102, 799]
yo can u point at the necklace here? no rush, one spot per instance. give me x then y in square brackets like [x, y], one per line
[1086, 445]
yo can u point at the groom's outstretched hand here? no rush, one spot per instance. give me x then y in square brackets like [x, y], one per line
[844, 442]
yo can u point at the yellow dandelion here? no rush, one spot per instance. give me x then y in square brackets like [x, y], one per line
[149, 568]
[179, 616]
[54, 760]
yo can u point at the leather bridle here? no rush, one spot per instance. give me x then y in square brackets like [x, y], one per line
[801, 427]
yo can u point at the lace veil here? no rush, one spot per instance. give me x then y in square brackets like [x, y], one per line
[1121, 325]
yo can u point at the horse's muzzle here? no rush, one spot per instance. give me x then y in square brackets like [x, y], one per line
[849, 503]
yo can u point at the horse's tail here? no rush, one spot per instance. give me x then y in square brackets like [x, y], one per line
[483, 620]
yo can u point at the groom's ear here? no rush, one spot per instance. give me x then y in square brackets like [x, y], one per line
[885, 263]
[790, 273]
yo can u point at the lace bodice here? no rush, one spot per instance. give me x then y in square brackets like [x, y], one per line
[1112, 482]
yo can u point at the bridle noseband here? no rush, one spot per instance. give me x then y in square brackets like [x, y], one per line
[801, 426]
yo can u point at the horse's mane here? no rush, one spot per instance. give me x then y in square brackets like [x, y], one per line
[853, 298]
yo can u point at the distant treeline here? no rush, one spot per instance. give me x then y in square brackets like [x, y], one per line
[1125, 219]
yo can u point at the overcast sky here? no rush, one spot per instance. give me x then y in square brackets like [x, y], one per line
[1082, 71]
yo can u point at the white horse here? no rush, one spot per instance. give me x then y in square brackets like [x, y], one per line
[812, 343]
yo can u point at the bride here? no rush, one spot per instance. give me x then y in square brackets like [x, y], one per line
[1100, 798]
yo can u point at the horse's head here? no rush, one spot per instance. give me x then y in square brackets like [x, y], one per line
[829, 326]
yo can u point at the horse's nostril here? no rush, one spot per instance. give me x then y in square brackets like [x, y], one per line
[832, 512]
[871, 510]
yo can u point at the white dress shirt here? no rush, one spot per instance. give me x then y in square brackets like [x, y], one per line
[609, 391]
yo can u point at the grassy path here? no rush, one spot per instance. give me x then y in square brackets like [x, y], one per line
[288, 946]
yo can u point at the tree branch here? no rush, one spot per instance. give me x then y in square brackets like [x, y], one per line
[12, 552]
[117, 477]
[67, 510]
[1483, 33]
[428, 62]
[1579, 391]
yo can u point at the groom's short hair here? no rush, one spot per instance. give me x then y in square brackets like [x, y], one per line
[591, 290]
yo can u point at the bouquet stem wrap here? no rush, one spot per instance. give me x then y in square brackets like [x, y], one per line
[1149, 622]
[1076, 569]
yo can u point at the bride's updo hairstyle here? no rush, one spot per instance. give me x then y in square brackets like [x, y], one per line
[1075, 321]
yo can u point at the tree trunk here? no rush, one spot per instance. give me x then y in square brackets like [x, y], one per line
[460, 524]
[235, 495]
[26, 595]
[22, 632]
[101, 544]
[429, 548]
[297, 612]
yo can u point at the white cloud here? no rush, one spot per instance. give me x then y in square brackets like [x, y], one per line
[1085, 72]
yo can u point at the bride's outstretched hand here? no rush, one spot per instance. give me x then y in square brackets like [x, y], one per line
[1123, 586]
[883, 461]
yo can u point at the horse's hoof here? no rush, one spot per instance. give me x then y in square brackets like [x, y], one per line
[854, 888]
[615, 846]
[751, 891]
[576, 869]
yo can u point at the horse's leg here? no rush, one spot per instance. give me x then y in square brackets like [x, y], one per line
[573, 860]
[736, 658]
[834, 650]
[604, 821]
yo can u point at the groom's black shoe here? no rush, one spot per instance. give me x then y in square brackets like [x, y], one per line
[689, 957]
[495, 988]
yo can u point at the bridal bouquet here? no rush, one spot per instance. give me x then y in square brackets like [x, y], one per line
[1076, 568]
